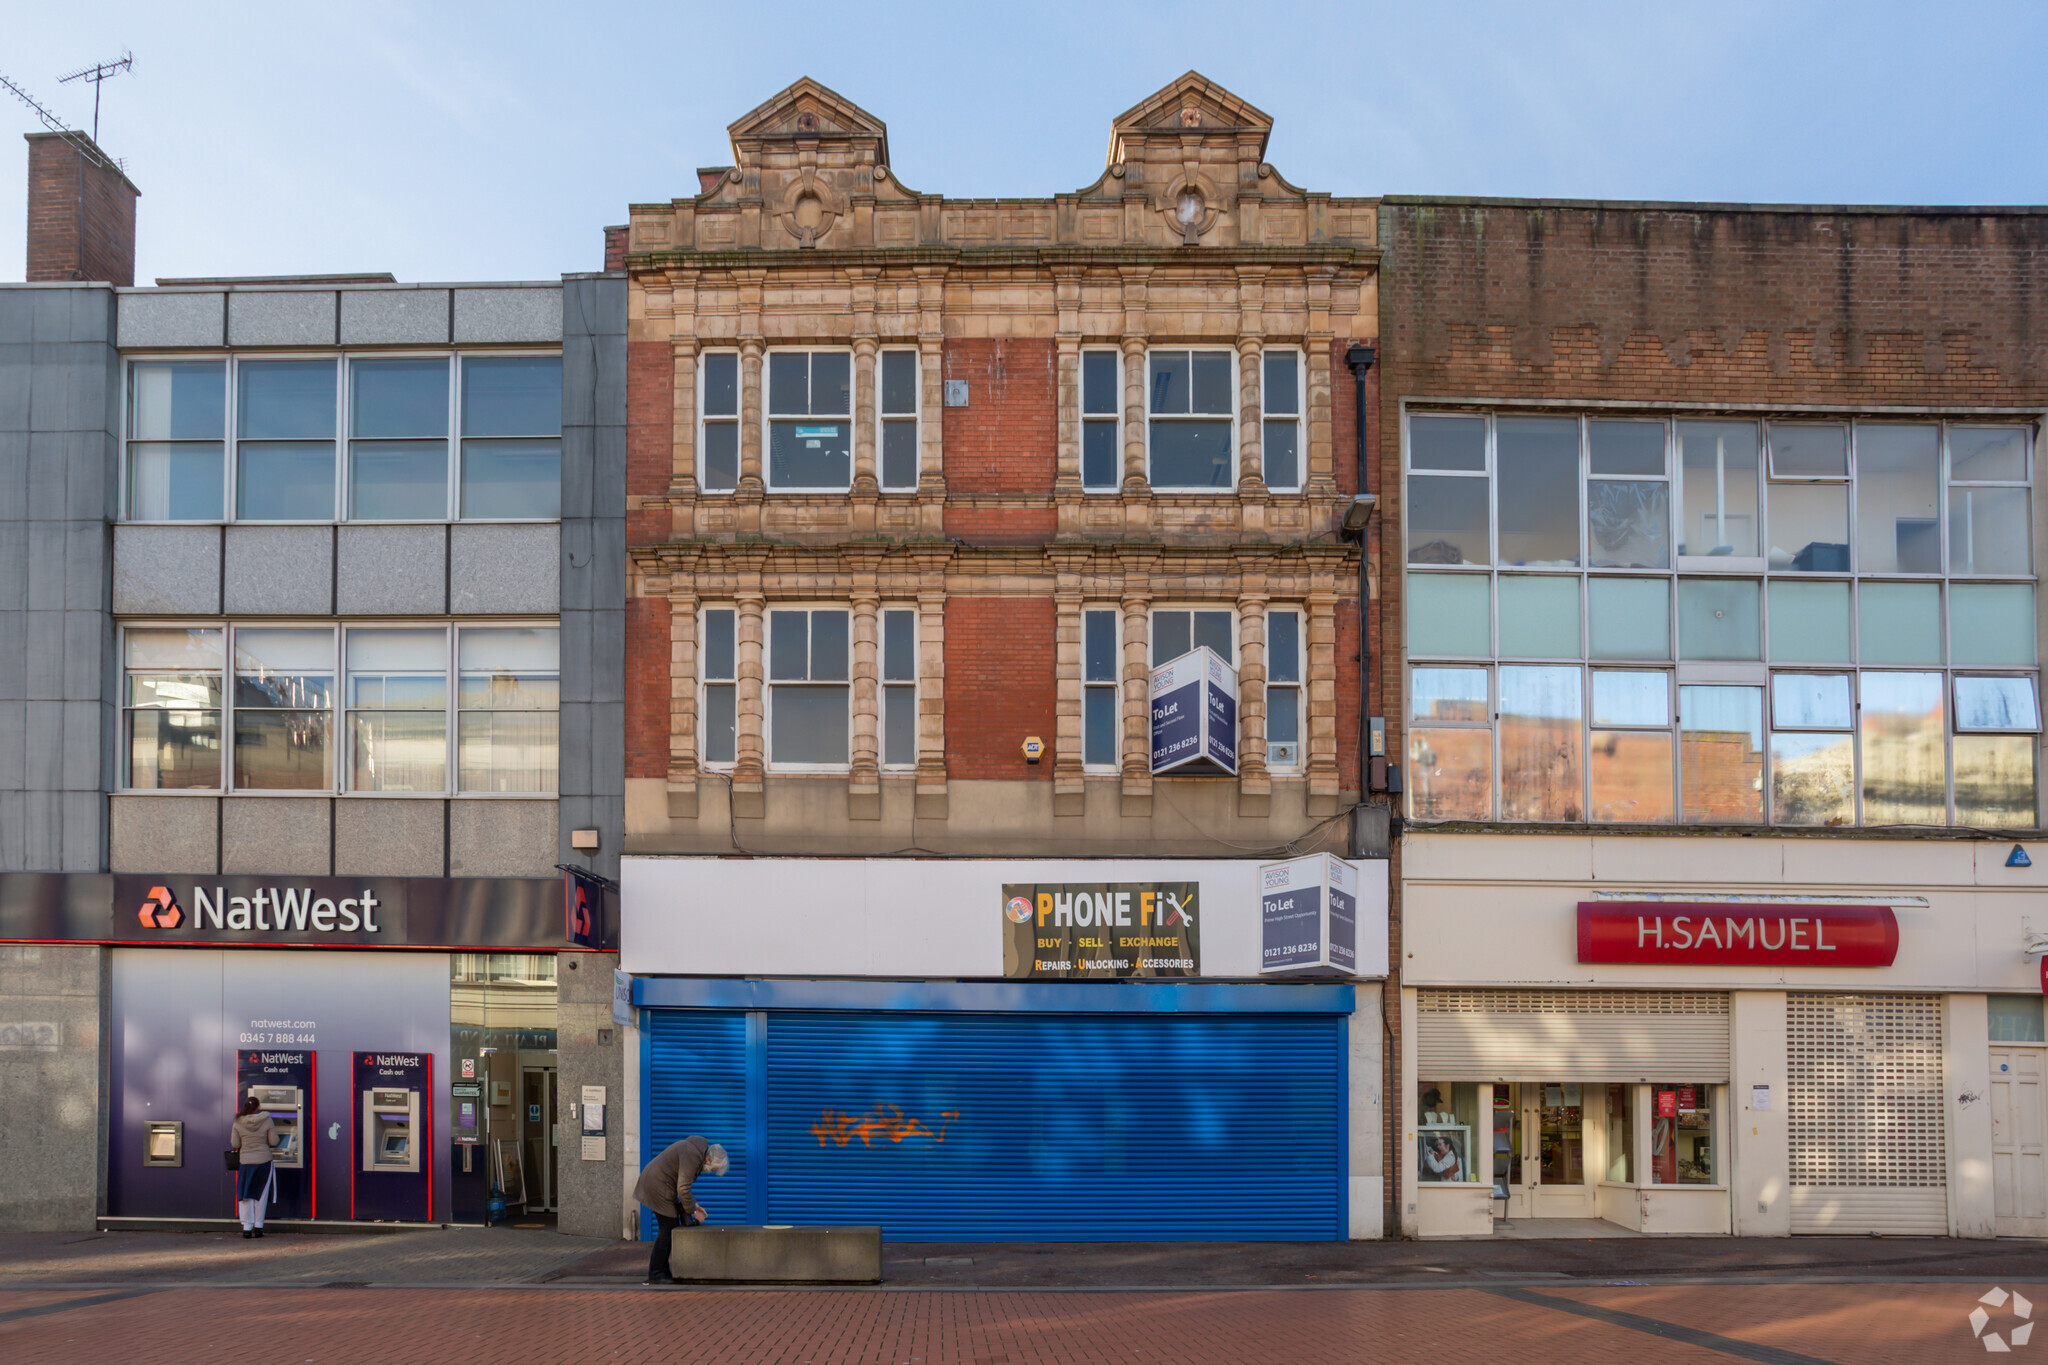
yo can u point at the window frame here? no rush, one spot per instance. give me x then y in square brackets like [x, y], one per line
[769, 683]
[1113, 420]
[883, 683]
[705, 419]
[1761, 671]
[338, 710]
[1234, 418]
[1112, 685]
[770, 418]
[1299, 687]
[1152, 630]
[343, 359]
[705, 682]
[1299, 418]
[914, 419]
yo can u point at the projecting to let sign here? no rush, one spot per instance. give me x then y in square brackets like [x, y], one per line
[1308, 916]
[1194, 715]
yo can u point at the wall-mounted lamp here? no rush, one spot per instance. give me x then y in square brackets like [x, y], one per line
[1359, 513]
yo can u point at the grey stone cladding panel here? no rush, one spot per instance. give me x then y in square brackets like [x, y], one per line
[508, 315]
[279, 570]
[51, 1126]
[167, 320]
[502, 838]
[390, 570]
[286, 319]
[169, 834]
[167, 570]
[386, 837]
[275, 834]
[394, 317]
[504, 569]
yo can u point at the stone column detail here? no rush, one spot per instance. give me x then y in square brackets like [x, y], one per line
[749, 774]
[1254, 782]
[684, 746]
[1323, 778]
[864, 780]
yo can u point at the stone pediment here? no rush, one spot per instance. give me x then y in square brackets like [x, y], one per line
[807, 111]
[1193, 107]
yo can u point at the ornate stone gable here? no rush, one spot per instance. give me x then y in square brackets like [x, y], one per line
[1186, 168]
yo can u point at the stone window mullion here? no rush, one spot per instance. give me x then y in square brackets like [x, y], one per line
[867, 753]
[1321, 689]
[1253, 780]
[1137, 745]
[1068, 739]
[864, 349]
[750, 740]
[1251, 431]
[751, 352]
[1136, 430]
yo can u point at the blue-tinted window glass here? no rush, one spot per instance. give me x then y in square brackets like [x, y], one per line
[399, 398]
[178, 400]
[512, 395]
[1100, 396]
[285, 400]
[718, 643]
[721, 384]
[1099, 647]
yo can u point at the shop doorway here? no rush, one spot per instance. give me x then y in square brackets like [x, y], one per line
[1541, 1156]
[2019, 1124]
[540, 1133]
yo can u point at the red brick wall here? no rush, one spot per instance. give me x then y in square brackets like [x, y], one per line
[1347, 694]
[81, 215]
[1006, 439]
[999, 686]
[1002, 525]
[615, 239]
[647, 679]
[650, 435]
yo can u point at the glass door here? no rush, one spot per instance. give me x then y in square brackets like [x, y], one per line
[1553, 1150]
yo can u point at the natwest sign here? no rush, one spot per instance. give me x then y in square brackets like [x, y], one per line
[1709, 933]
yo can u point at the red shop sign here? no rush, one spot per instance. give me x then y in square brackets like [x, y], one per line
[1667, 1104]
[1699, 933]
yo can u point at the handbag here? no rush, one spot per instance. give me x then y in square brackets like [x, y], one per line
[233, 1157]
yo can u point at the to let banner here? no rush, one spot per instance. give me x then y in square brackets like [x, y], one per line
[1088, 931]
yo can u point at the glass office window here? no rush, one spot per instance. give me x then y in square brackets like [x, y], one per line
[1102, 456]
[1284, 674]
[1536, 463]
[1280, 400]
[283, 704]
[1449, 613]
[899, 408]
[1191, 408]
[1721, 748]
[173, 708]
[398, 439]
[1100, 710]
[177, 439]
[721, 686]
[809, 694]
[1541, 742]
[1450, 744]
[512, 436]
[810, 420]
[284, 447]
[1629, 769]
[899, 688]
[508, 697]
[397, 709]
[718, 422]
[1175, 633]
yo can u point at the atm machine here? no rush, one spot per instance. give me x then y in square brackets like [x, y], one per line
[391, 1178]
[283, 1084]
[391, 1129]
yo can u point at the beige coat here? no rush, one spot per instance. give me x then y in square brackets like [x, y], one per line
[254, 1136]
[665, 1184]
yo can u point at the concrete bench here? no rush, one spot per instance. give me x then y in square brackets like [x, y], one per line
[777, 1255]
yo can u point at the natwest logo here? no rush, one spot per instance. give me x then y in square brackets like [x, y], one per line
[270, 909]
[160, 909]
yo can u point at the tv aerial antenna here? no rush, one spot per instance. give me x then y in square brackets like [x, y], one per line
[99, 73]
[87, 149]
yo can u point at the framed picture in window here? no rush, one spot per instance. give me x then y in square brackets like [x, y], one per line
[1443, 1154]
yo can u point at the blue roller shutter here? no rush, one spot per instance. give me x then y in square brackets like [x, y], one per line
[696, 1082]
[965, 1127]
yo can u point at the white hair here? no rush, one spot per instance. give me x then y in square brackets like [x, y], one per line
[715, 1160]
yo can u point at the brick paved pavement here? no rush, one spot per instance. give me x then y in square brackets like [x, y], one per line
[458, 1255]
[1698, 1325]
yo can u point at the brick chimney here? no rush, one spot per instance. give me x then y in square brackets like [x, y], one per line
[81, 212]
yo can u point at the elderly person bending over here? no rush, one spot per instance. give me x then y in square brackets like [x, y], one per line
[665, 1190]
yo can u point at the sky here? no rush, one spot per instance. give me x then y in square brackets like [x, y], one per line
[459, 141]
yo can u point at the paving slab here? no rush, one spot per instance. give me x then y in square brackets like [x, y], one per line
[451, 1255]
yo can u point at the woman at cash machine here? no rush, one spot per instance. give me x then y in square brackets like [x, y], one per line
[256, 1181]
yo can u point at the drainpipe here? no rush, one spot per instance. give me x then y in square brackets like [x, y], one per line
[1360, 358]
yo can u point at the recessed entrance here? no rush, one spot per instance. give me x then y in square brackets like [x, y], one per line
[1540, 1150]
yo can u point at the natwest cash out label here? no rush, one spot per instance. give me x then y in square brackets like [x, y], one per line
[1704, 933]
[1090, 931]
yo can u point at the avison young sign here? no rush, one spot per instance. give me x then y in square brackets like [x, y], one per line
[1705, 933]
[1098, 930]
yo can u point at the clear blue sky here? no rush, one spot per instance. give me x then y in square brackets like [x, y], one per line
[470, 141]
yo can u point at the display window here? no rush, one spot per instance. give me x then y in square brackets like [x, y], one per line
[1448, 1115]
[1682, 1148]
[1621, 1147]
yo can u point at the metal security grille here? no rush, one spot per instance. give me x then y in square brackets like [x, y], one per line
[1430, 1001]
[966, 1127]
[1529, 1035]
[1863, 1101]
[696, 1083]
